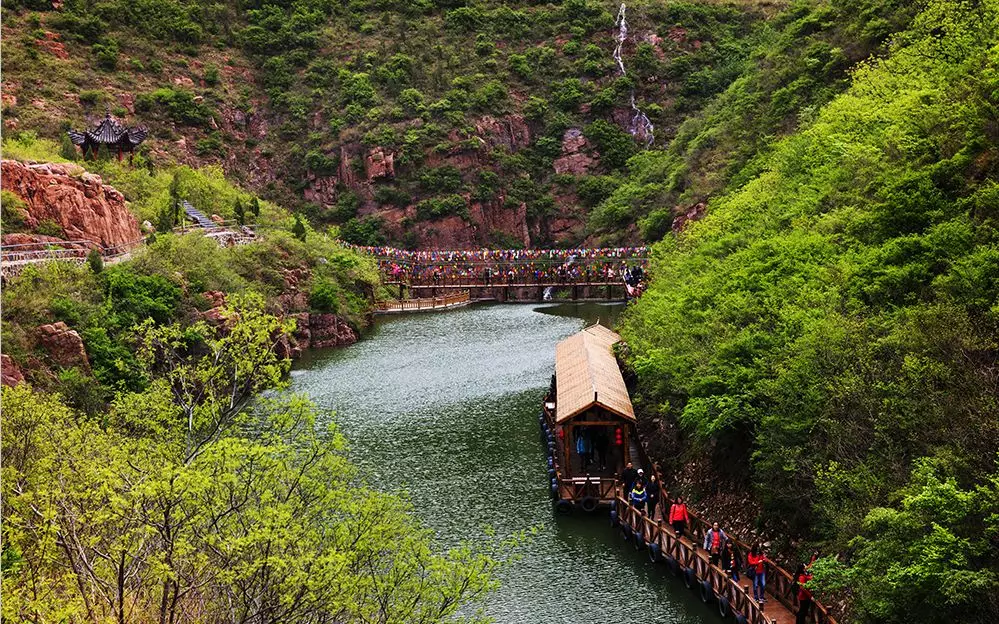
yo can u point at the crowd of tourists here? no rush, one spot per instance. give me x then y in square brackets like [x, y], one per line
[509, 266]
[723, 551]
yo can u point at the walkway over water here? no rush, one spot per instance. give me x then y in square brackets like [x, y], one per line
[512, 274]
[446, 406]
[587, 424]
[448, 302]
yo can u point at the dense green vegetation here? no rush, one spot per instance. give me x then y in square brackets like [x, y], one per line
[424, 80]
[830, 328]
[165, 280]
[191, 499]
[826, 337]
[795, 63]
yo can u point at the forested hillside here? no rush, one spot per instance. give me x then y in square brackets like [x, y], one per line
[444, 123]
[829, 330]
[819, 338]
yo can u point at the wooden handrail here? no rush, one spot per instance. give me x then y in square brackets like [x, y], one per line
[427, 303]
[739, 597]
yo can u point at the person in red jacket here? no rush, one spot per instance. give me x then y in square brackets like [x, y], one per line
[801, 577]
[756, 567]
[678, 516]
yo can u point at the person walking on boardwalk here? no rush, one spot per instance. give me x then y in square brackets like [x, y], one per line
[731, 561]
[678, 516]
[756, 569]
[801, 578]
[639, 496]
[714, 542]
[628, 476]
[654, 490]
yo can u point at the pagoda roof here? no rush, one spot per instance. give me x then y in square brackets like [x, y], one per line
[109, 132]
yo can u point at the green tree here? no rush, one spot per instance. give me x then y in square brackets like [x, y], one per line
[298, 229]
[932, 556]
[186, 502]
[240, 211]
[67, 150]
[95, 261]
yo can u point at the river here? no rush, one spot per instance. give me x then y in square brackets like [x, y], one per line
[444, 405]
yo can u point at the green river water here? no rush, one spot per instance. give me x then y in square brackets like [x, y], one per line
[445, 405]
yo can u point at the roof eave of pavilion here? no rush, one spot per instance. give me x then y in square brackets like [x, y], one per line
[582, 410]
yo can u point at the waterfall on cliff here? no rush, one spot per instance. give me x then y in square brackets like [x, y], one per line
[640, 128]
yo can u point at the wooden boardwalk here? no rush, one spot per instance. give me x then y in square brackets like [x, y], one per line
[687, 560]
[424, 305]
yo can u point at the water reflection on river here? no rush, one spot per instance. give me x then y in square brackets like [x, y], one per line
[445, 405]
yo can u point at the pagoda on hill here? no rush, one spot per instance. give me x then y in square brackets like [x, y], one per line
[109, 132]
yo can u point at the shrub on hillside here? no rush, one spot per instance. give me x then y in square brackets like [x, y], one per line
[179, 104]
[439, 207]
[367, 231]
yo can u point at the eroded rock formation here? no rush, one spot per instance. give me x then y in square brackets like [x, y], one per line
[379, 163]
[10, 372]
[63, 345]
[81, 204]
[574, 158]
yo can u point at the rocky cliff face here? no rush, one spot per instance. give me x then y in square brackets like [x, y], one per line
[63, 346]
[10, 372]
[312, 330]
[80, 203]
[361, 170]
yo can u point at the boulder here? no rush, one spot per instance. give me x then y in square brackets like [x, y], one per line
[693, 213]
[379, 163]
[63, 345]
[329, 330]
[10, 373]
[321, 190]
[574, 159]
[215, 297]
[128, 101]
[84, 207]
[575, 164]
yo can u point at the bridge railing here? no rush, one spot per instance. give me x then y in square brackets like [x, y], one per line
[425, 303]
[75, 250]
[780, 582]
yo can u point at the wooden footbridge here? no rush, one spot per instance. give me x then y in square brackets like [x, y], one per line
[587, 423]
[447, 302]
[512, 274]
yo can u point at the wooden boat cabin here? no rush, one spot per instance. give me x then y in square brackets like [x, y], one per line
[588, 421]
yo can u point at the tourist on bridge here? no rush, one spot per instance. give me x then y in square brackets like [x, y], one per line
[731, 561]
[714, 542]
[654, 490]
[756, 569]
[801, 578]
[639, 496]
[678, 516]
[628, 477]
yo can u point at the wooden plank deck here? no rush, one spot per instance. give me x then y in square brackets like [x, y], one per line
[683, 556]
[426, 304]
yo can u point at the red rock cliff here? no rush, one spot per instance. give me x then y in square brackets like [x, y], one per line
[83, 206]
